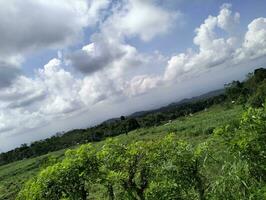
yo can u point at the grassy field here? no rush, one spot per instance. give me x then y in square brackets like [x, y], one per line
[195, 128]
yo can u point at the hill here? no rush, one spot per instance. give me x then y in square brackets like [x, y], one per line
[173, 105]
[195, 128]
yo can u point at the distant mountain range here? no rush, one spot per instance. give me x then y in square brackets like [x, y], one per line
[171, 105]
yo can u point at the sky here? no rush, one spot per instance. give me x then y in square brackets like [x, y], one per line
[69, 64]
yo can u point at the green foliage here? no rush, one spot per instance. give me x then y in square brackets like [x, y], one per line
[68, 179]
[244, 170]
[252, 90]
[234, 90]
[126, 171]
[13, 176]
[259, 96]
[230, 164]
[251, 142]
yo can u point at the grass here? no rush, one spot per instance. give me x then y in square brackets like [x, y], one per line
[14, 175]
[194, 128]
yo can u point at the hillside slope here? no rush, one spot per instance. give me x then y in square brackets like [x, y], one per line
[195, 128]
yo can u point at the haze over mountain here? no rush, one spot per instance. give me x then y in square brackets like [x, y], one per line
[70, 64]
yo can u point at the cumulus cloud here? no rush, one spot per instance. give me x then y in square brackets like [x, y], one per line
[29, 102]
[95, 10]
[34, 24]
[107, 54]
[130, 19]
[227, 20]
[21, 90]
[141, 84]
[98, 88]
[108, 47]
[7, 74]
[97, 55]
[62, 88]
[31, 25]
[212, 50]
[254, 44]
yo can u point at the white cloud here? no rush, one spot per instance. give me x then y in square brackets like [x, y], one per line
[30, 103]
[32, 25]
[97, 88]
[141, 84]
[108, 48]
[36, 24]
[112, 56]
[226, 19]
[254, 44]
[144, 19]
[96, 7]
[212, 50]
[176, 67]
[100, 54]
[7, 74]
[21, 93]
[62, 89]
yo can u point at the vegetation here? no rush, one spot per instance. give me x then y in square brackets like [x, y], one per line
[196, 128]
[14, 175]
[251, 91]
[217, 153]
[163, 169]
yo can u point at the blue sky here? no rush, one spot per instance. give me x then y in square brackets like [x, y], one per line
[70, 64]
